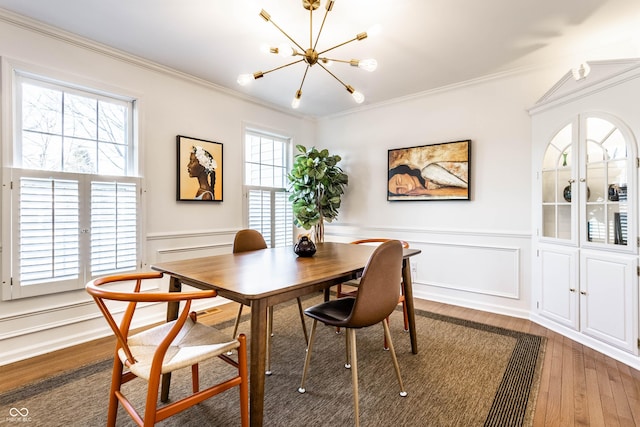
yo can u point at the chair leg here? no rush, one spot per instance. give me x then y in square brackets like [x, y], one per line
[269, 335]
[387, 334]
[234, 334]
[406, 316]
[338, 295]
[244, 385]
[307, 359]
[386, 345]
[235, 326]
[354, 373]
[116, 382]
[195, 378]
[347, 350]
[151, 406]
[304, 325]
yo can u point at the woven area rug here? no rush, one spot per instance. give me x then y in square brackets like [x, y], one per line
[465, 374]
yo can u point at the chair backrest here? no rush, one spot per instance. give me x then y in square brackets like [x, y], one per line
[248, 240]
[378, 240]
[133, 297]
[379, 287]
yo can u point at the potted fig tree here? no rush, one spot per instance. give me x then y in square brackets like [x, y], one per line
[316, 184]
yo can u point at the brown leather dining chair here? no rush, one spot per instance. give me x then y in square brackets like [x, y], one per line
[375, 300]
[165, 348]
[355, 283]
[252, 240]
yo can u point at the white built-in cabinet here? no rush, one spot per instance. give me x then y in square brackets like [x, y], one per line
[585, 201]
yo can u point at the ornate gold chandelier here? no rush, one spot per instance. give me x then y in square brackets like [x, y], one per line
[310, 55]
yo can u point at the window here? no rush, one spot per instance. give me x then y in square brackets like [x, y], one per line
[268, 207]
[74, 192]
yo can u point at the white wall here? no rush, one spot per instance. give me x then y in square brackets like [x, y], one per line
[170, 105]
[474, 253]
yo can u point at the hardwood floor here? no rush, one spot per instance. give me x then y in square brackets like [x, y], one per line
[578, 387]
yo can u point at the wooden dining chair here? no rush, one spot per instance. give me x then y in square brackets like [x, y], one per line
[355, 283]
[165, 348]
[375, 300]
[252, 240]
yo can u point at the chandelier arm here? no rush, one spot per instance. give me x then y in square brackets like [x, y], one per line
[286, 35]
[311, 27]
[303, 78]
[282, 66]
[334, 76]
[338, 45]
[325, 59]
[321, 27]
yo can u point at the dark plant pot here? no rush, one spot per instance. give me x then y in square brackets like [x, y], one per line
[305, 247]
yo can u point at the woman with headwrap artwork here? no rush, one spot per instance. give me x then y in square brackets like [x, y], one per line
[430, 172]
[202, 165]
[201, 160]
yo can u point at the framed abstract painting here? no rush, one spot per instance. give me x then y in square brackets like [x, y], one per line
[199, 170]
[430, 172]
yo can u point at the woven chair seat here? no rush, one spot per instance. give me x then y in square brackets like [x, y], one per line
[195, 343]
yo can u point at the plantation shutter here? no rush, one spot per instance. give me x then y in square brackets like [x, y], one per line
[269, 212]
[61, 241]
[49, 223]
[113, 227]
[283, 218]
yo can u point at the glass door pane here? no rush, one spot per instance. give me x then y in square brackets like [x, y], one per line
[558, 186]
[606, 177]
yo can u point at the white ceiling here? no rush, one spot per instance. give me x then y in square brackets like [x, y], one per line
[424, 44]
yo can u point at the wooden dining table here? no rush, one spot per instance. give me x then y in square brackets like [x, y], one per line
[263, 278]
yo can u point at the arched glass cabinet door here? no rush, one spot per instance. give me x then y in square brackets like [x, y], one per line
[558, 184]
[608, 161]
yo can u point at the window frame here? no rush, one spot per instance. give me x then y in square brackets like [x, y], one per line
[271, 239]
[13, 73]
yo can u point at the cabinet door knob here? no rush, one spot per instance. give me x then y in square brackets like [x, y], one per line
[571, 181]
[583, 180]
[572, 290]
[583, 292]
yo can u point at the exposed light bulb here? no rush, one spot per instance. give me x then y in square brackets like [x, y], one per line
[358, 97]
[245, 79]
[368, 64]
[296, 101]
[286, 50]
[265, 48]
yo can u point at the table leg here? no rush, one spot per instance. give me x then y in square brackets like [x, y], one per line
[172, 314]
[258, 364]
[408, 300]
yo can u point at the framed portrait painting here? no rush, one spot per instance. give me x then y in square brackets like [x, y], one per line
[430, 172]
[199, 170]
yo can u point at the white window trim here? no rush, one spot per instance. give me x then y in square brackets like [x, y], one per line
[248, 128]
[9, 68]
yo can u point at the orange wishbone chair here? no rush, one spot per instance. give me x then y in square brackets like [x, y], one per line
[165, 348]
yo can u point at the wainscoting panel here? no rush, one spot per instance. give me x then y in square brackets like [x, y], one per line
[196, 251]
[474, 268]
[487, 270]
